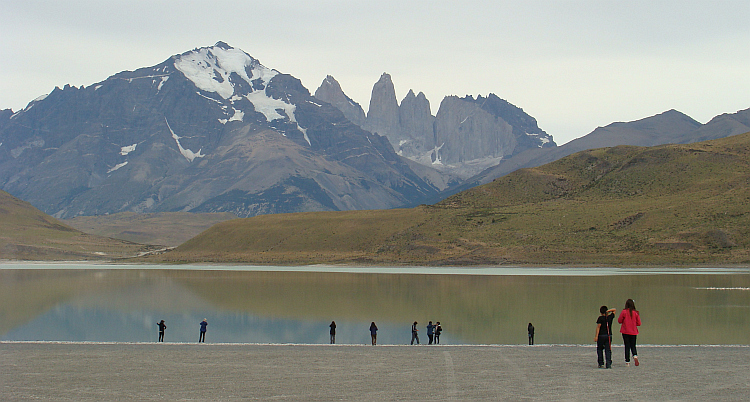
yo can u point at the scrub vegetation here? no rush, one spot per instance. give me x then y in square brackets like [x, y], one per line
[622, 206]
[29, 234]
[164, 228]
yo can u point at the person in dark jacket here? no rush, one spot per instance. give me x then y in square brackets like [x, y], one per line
[333, 332]
[430, 333]
[603, 337]
[202, 337]
[162, 327]
[531, 334]
[438, 331]
[414, 333]
[374, 333]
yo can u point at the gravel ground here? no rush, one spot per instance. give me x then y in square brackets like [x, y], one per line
[114, 371]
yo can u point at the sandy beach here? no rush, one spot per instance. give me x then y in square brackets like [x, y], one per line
[125, 371]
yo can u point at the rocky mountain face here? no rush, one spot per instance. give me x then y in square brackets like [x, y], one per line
[330, 91]
[209, 130]
[466, 135]
[383, 114]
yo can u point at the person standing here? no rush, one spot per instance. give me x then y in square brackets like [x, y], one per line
[630, 320]
[414, 333]
[430, 332]
[162, 327]
[202, 337]
[333, 332]
[531, 334]
[374, 333]
[603, 337]
[438, 330]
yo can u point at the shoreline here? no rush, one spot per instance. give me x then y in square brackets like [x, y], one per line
[382, 269]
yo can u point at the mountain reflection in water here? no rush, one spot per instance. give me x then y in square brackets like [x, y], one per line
[296, 307]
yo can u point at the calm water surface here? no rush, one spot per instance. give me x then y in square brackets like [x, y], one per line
[86, 302]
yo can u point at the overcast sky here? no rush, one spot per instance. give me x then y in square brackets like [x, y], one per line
[573, 65]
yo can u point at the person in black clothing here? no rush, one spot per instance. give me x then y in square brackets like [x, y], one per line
[603, 336]
[430, 333]
[531, 334]
[202, 336]
[438, 330]
[374, 333]
[162, 327]
[414, 333]
[333, 332]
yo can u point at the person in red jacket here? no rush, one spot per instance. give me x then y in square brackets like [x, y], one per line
[629, 321]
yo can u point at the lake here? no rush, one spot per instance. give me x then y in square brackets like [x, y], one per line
[123, 303]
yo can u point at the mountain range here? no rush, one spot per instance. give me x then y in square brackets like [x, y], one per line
[209, 130]
[214, 130]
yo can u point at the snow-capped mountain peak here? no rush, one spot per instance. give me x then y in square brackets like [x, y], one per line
[211, 69]
[215, 69]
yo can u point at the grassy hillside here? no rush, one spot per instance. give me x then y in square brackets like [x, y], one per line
[664, 205]
[165, 228]
[28, 234]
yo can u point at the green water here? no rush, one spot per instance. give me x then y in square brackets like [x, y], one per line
[295, 305]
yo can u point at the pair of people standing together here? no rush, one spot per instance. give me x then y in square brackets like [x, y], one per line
[629, 320]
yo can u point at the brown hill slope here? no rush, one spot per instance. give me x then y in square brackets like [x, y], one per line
[165, 228]
[28, 234]
[665, 205]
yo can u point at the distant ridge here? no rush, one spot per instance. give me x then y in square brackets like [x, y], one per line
[670, 127]
[681, 204]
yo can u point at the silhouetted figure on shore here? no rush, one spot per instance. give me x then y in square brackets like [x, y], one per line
[414, 333]
[202, 337]
[162, 327]
[374, 333]
[333, 332]
[438, 331]
[430, 333]
[531, 334]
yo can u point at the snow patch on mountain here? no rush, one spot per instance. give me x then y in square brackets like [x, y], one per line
[117, 166]
[238, 115]
[188, 154]
[163, 80]
[128, 149]
[40, 98]
[209, 98]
